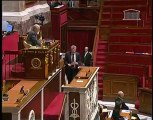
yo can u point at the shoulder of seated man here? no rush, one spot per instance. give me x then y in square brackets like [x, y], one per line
[31, 33]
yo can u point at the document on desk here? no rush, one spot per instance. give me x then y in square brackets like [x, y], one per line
[59, 6]
[125, 111]
[80, 81]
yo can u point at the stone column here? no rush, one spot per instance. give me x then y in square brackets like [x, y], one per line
[23, 18]
[13, 6]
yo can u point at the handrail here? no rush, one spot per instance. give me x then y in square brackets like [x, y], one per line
[96, 39]
[60, 116]
[94, 51]
[13, 52]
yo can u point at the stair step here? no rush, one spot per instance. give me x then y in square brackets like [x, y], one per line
[131, 30]
[102, 47]
[124, 2]
[100, 56]
[100, 73]
[100, 62]
[100, 97]
[118, 8]
[100, 81]
[109, 15]
[100, 85]
[121, 22]
[100, 65]
[101, 59]
[100, 53]
[100, 77]
[100, 89]
[102, 43]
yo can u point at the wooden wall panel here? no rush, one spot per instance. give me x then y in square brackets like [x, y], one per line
[113, 83]
[145, 97]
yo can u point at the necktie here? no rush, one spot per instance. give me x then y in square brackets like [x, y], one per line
[85, 54]
[72, 57]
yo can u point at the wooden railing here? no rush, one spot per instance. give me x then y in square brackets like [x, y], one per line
[94, 51]
[97, 35]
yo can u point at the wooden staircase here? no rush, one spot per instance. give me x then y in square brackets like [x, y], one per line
[118, 36]
[100, 62]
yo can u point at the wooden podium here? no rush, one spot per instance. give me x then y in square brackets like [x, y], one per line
[40, 62]
[82, 95]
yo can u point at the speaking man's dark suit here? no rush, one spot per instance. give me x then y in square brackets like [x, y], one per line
[32, 39]
[119, 105]
[87, 59]
[72, 70]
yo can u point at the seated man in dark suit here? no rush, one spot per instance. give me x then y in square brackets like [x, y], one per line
[119, 105]
[33, 36]
[72, 61]
[86, 58]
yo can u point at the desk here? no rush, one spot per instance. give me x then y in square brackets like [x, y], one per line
[41, 93]
[145, 96]
[10, 42]
[126, 114]
[82, 95]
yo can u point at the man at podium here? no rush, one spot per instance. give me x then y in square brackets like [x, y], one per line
[33, 36]
[72, 61]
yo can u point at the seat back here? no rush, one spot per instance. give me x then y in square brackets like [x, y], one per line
[23, 42]
[26, 45]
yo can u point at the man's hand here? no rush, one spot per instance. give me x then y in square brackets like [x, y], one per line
[74, 63]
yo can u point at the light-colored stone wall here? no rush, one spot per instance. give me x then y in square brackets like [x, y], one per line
[24, 26]
[23, 18]
[13, 6]
[10, 6]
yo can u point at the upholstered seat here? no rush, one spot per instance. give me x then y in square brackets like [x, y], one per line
[54, 109]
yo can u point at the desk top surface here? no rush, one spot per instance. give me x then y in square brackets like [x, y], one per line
[30, 86]
[83, 77]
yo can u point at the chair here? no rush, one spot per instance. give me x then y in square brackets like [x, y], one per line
[132, 14]
[23, 44]
[26, 45]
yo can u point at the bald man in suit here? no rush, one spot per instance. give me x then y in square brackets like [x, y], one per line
[119, 105]
[86, 60]
[33, 36]
[72, 61]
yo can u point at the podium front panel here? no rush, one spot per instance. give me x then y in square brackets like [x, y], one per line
[34, 64]
[41, 62]
[82, 95]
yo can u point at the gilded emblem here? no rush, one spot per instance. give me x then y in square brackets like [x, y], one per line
[32, 115]
[36, 63]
